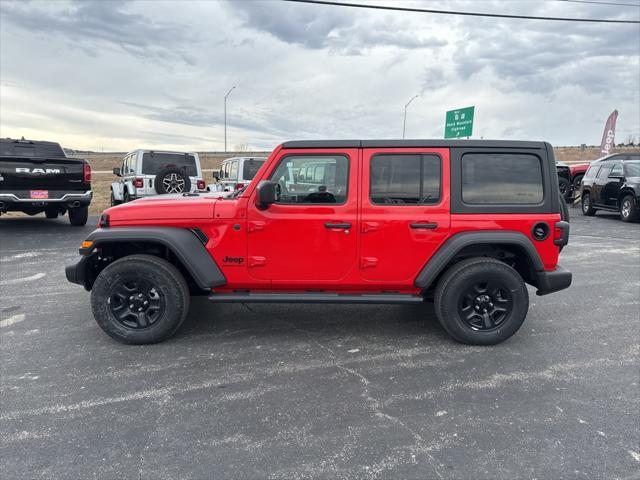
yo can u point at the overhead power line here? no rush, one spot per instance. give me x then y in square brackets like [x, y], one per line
[452, 12]
[594, 2]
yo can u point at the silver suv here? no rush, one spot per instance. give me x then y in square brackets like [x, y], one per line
[148, 172]
[235, 173]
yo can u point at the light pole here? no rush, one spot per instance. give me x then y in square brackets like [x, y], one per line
[404, 122]
[225, 118]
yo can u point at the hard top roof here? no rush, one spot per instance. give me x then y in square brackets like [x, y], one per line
[439, 143]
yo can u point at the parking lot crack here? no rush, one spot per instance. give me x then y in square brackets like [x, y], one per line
[419, 444]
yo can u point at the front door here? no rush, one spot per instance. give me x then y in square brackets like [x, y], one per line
[405, 212]
[310, 235]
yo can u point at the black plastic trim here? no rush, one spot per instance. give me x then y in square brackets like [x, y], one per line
[75, 273]
[186, 246]
[556, 280]
[249, 297]
[564, 237]
[451, 247]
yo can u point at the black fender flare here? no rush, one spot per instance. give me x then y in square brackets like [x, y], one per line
[182, 242]
[455, 244]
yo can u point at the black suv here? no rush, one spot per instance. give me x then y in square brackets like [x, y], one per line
[613, 185]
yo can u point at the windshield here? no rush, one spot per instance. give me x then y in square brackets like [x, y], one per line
[632, 169]
[153, 162]
[250, 168]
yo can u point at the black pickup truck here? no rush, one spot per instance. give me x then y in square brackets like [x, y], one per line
[38, 177]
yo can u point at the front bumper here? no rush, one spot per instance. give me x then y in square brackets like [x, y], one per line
[553, 281]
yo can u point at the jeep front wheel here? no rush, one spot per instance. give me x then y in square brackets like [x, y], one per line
[481, 301]
[140, 299]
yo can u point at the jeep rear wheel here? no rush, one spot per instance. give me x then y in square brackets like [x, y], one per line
[481, 301]
[140, 299]
[587, 208]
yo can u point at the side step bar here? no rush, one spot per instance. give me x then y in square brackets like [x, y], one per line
[248, 297]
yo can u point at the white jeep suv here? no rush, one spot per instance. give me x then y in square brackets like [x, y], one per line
[235, 173]
[148, 172]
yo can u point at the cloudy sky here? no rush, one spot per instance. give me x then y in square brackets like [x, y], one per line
[115, 75]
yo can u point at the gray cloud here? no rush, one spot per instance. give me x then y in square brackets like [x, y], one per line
[342, 30]
[95, 23]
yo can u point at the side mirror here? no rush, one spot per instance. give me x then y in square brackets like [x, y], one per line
[216, 175]
[116, 171]
[267, 194]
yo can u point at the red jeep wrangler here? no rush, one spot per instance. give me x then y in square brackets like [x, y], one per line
[463, 223]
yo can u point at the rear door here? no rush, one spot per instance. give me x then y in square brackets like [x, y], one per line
[611, 189]
[405, 212]
[601, 180]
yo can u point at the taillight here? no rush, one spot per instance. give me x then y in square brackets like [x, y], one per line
[239, 186]
[138, 183]
[86, 172]
[201, 185]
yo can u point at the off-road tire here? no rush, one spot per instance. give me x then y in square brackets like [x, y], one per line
[587, 206]
[576, 183]
[128, 271]
[564, 210]
[180, 174]
[450, 298]
[628, 209]
[78, 216]
[114, 202]
[51, 214]
[125, 197]
[564, 186]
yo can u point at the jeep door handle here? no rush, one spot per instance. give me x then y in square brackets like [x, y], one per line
[343, 226]
[423, 226]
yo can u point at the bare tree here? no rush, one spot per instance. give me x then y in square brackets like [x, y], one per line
[242, 147]
[631, 141]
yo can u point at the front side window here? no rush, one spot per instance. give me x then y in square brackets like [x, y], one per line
[501, 178]
[405, 179]
[312, 179]
[153, 163]
[591, 172]
[604, 171]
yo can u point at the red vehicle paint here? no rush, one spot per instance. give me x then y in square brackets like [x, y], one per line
[327, 236]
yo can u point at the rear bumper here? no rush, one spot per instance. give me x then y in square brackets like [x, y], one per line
[21, 200]
[553, 281]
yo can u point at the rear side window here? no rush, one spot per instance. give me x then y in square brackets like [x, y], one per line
[632, 169]
[502, 178]
[250, 168]
[153, 163]
[405, 179]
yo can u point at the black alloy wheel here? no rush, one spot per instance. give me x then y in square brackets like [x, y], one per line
[484, 306]
[136, 303]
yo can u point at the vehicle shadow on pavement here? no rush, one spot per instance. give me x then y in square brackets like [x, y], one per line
[400, 322]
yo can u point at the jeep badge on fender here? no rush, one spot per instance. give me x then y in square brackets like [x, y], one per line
[430, 220]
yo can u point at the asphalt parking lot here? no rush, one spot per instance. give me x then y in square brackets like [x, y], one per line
[299, 391]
